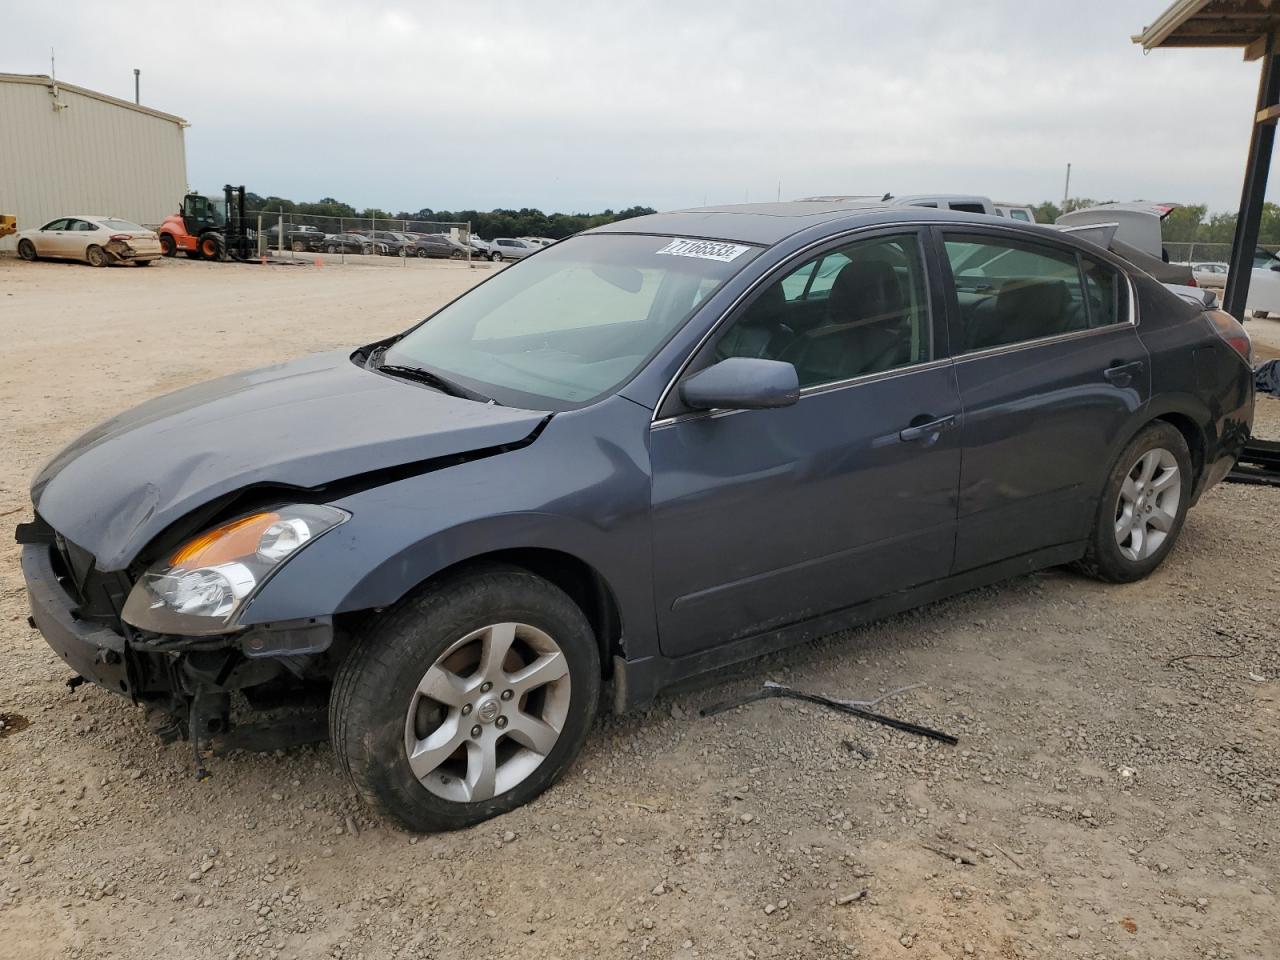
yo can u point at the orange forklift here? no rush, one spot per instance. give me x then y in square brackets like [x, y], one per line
[208, 229]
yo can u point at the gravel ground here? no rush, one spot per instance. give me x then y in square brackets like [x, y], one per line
[1114, 793]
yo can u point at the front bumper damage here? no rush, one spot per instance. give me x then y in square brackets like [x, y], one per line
[187, 684]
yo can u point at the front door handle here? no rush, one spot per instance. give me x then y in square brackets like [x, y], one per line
[931, 428]
[1122, 374]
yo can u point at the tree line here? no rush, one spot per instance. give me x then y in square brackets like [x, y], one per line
[525, 222]
[1188, 224]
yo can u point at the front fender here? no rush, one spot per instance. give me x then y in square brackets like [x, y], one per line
[582, 489]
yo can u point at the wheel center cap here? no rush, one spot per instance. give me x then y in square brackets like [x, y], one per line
[488, 710]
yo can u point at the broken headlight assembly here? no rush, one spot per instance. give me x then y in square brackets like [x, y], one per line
[201, 587]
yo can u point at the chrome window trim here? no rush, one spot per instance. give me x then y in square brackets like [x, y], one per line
[888, 228]
[1132, 321]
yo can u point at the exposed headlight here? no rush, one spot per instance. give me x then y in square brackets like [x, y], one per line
[201, 587]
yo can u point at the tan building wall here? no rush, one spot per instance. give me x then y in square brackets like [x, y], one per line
[65, 150]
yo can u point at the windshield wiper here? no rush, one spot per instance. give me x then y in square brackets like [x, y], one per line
[430, 379]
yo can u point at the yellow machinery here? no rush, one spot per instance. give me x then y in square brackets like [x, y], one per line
[8, 224]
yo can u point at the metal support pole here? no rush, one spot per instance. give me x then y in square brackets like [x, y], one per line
[1255, 187]
[137, 93]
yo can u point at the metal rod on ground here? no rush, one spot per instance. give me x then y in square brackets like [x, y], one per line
[772, 690]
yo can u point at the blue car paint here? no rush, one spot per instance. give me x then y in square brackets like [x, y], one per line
[715, 536]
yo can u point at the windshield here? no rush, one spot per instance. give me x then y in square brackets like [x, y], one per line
[572, 323]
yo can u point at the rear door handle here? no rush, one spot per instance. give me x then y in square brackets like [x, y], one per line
[1122, 374]
[923, 430]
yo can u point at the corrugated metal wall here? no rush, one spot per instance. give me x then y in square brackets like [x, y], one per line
[93, 157]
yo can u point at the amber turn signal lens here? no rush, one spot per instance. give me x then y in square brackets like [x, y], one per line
[231, 541]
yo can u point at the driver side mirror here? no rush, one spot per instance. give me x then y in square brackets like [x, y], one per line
[742, 383]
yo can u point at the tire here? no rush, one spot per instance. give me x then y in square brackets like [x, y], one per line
[366, 249]
[210, 247]
[495, 258]
[455, 255]
[96, 256]
[422, 253]
[27, 250]
[297, 246]
[376, 711]
[331, 249]
[1260, 314]
[1151, 504]
[168, 244]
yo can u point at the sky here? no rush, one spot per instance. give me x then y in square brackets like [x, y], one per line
[582, 105]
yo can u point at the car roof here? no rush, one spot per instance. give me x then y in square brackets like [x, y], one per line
[769, 223]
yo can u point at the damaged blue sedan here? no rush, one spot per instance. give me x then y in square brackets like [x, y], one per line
[646, 452]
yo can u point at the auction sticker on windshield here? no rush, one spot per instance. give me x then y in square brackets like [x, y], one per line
[705, 249]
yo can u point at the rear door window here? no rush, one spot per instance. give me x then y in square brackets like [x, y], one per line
[1010, 291]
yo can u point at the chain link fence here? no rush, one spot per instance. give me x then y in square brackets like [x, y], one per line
[364, 239]
[1207, 252]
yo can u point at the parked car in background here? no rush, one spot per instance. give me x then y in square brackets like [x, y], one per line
[96, 240]
[479, 248]
[662, 447]
[432, 245]
[538, 241]
[508, 248]
[1015, 211]
[298, 237]
[1212, 273]
[395, 244]
[960, 202]
[352, 243]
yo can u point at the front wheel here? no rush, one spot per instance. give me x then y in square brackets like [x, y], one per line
[297, 246]
[1143, 506]
[167, 245]
[26, 249]
[466, 700]
[366, 249]
[210, 247]
[495, 257]
[422, 253]
[331, 249]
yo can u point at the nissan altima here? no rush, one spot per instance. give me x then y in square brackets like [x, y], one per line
[648, 451]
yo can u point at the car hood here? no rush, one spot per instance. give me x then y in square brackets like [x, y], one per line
[305, 423]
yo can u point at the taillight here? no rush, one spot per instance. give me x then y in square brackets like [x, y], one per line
[1231, 330]
[1192, 282]
[122, 236]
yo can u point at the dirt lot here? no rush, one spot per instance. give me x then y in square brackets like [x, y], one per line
[1115, 791]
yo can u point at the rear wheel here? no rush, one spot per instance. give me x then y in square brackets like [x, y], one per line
[27, 249]
[168, 245]
[455, 255]
[422, 253]
[331, 249]
[467, 700]
[1143, 506]
[366, 249]
[298, 246]
[96, 256]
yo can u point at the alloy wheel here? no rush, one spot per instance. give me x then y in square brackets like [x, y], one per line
[1147, 508]
[487, 712]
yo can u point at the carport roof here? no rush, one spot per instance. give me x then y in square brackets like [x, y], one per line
[1212, 23]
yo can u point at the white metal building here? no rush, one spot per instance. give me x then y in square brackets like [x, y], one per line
[66, 150]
